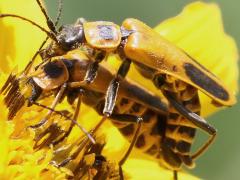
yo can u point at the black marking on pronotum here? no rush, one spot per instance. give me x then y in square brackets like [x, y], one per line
[53, 70]
[106, 32]
[205, 82]
[100, 56]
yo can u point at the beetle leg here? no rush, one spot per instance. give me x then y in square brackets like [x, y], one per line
[83, 144]
[52, 107]
[30, 63]
[50, 23]
[112, 90]
[196, 120]
[76, 113]
[91, 72]
[175, 175]
[51, 133]
[93, 68]
[131, 119]
[68, 118]
[193, 117]
[204, 147]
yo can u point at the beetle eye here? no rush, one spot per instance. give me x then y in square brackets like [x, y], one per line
[70, 36]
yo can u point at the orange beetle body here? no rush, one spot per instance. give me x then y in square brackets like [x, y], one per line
[146, 47]
[173, 71]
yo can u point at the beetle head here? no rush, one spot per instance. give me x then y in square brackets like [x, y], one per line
[70, 36]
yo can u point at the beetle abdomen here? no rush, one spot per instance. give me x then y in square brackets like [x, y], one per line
[152, 130]
[180, 132]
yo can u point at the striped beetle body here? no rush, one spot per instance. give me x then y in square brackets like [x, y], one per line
[133, 102]
[166, 136]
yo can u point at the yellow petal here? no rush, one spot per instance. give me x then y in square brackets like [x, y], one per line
[19, 40]
[18, 43]
[138, 169]
[18, 158]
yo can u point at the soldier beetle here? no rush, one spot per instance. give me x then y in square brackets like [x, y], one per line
[171, 69]
[133, 107]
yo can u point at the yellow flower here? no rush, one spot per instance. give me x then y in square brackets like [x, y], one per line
[19, 41]
[18, 158]
[15, 33]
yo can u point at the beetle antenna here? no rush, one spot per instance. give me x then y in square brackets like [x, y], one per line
[73, 121]
[50, 34]
[60, 7]
[29, 65]
[50, 23]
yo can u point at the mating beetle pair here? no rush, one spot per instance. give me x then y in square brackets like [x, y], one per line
[171, 69]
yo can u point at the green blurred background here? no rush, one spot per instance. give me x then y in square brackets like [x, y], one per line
[222, 160]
